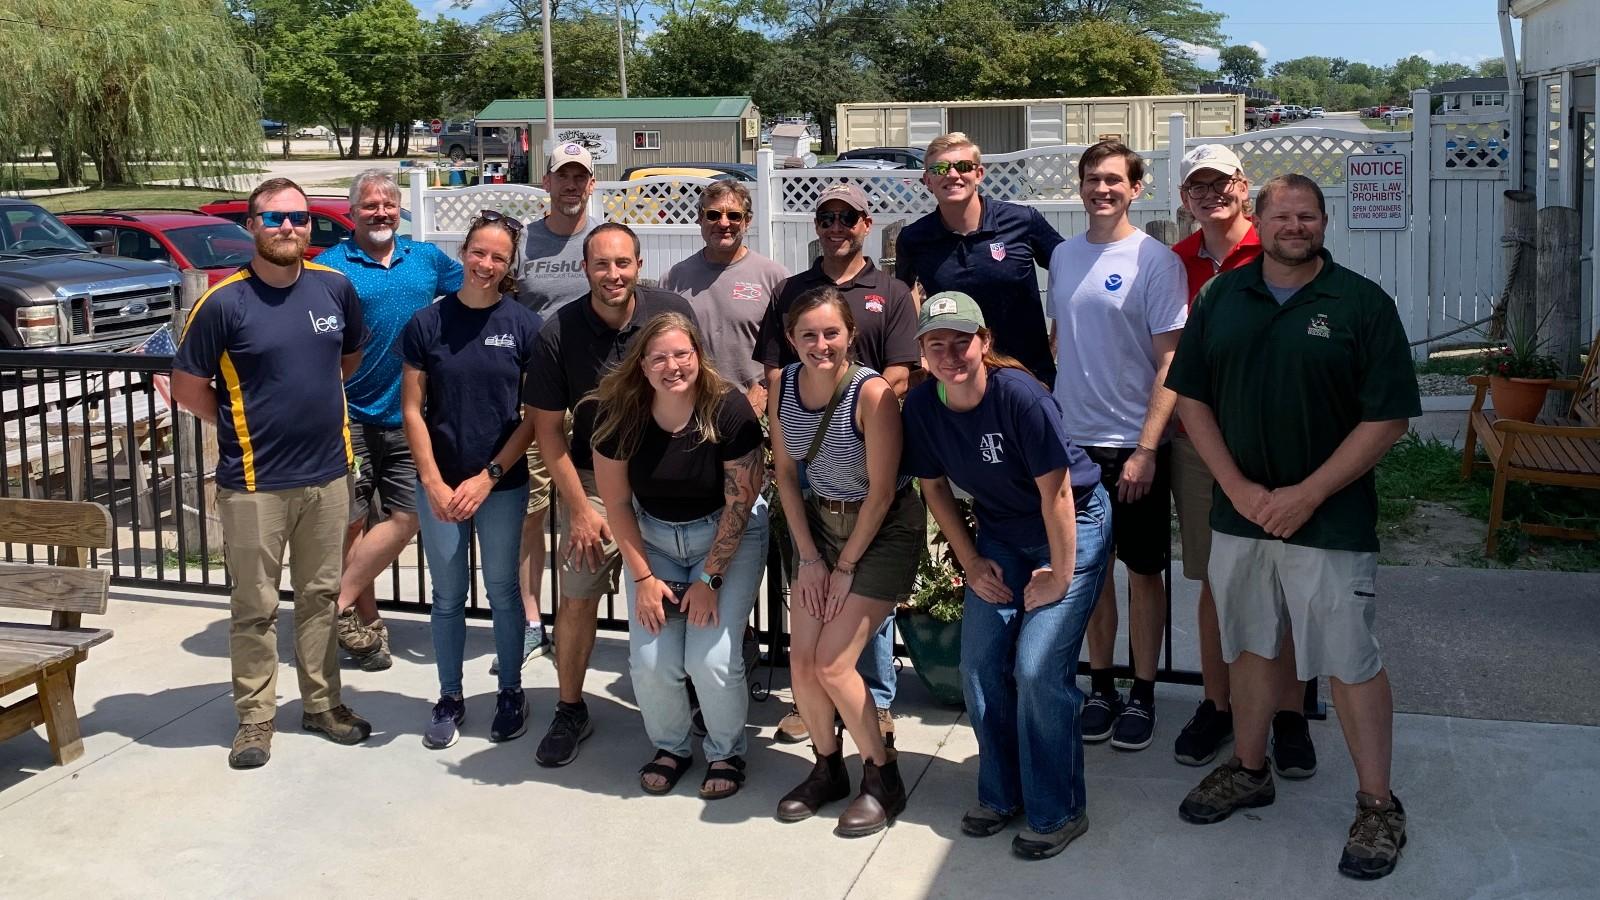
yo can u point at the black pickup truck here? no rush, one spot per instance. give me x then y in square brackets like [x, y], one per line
[57, 293]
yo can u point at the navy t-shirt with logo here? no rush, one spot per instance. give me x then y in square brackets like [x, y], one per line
[472, 402]
[995, 450]
[275, 355]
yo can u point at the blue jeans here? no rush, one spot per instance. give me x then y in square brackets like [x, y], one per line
[712, 656]
[876, 664]
[445, 545]
[1019, 673]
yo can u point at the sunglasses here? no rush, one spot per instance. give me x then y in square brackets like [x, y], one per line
[274, 218]
[941, 169]
[715, 215]
[848, 218]
[491, 216]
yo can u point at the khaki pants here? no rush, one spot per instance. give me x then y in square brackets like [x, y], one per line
[256, 526]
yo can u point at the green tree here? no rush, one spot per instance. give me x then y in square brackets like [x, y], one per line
[1367, 75]
[1492, 67]
[1450, 71]
[1409, 74]
[953, 50]
[1174, 25]
[1240, 64]
[1095, 59]
[798, 77]
[699, 55]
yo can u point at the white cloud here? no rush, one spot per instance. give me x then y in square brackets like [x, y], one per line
[1468, 59]
[1259, 47]
[1203, 56]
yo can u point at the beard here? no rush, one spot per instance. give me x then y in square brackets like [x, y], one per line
[571, 208]
[618, 302]
[381, 235]
[1285, 256]
[281, 250]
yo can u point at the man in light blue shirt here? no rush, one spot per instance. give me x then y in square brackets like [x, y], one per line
[394, 277]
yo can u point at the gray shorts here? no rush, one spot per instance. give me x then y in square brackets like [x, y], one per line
[384, 476]
[581, 583]
[1327, 596]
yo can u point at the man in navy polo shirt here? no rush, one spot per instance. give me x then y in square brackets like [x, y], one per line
[263, 356]
[984, 248]
[394, 277]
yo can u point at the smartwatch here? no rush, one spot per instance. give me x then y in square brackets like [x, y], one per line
[495, 472]
[711, 581]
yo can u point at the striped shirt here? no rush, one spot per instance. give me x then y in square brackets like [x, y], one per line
[839, 470]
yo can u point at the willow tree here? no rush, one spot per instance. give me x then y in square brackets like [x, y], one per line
[129, 85]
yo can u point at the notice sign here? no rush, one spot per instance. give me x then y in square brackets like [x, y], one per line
[1378, 190]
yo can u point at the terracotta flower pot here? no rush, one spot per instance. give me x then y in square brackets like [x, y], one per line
[1518, 398]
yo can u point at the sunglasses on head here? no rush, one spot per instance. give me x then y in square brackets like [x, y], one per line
[941, 169]
[715, 215]
[490, 216]
[274, 218]
[848, 217]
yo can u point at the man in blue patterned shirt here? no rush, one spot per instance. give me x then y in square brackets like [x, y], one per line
[394, 277]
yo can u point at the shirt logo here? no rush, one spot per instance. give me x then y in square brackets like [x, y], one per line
[747, 290]
[500, 340]
[1319, 326]
[1114, 283]
[998, 250]
[991, 447]
[322, 326]
[874, 303]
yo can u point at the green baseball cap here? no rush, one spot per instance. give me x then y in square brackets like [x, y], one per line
[950, 309]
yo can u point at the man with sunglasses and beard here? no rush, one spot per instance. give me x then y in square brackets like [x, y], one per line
[263, 356]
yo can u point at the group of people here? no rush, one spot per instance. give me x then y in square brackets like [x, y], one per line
[1243, 373]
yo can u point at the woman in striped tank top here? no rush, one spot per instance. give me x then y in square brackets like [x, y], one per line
[857, 538]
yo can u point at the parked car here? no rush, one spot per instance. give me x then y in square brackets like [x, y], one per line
[57, 293]
[180, 238]
[739, 171]
[648, 204]
[314, 131]
[460, 141]
[1295, 111]
[330, 219]
[907, 157]
[1397, 112]
[895, 191]
[272, 129]
[1317, 112]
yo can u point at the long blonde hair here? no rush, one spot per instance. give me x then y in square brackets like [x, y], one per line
[625, 394]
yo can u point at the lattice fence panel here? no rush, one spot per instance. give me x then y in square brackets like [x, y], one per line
[1318, 157]
[454, 211]
[888, 194]
[1588, 145]
[1474, 147]
[652, 201]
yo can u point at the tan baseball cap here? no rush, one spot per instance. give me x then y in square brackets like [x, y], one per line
[1215, 157]
[572, 152]
[848, 193]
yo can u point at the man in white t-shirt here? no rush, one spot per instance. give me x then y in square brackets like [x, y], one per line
[1119, 304]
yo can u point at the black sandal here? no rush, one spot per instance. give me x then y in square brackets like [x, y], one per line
[730, 769]
[671, 773]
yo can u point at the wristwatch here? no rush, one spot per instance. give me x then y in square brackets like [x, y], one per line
[495, 472]
[711, 581]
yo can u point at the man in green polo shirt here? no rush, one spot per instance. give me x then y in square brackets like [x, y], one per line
[1293, 379]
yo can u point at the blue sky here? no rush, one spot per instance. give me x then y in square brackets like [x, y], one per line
[1373, 31]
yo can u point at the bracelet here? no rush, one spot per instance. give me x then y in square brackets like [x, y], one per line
[846, 568]
[1145, 449]
[809, 562]
[645, 577]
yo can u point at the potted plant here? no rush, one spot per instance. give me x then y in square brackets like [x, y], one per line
[930, 622]
[1520, 373]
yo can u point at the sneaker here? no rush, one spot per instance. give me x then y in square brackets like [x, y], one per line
[1202, 738]
[340, 725]
[377, 659]
[1293, 756]
[792, 729]
[444, 725]
[1135, 728]
[252, 745]
[1376, 837]
[1099, 716]
[510, 715]
[1031, 844]
[355, 638]
[534, 644]
[569, 729]
[886, 727]
[1227, 788]
[981, 821]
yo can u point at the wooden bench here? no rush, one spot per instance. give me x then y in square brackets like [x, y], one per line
[1564, 453]
[46, 657]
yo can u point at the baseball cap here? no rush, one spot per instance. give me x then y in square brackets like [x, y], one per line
[846, 192]
[571, 152]
[950, 309]
[1215, 157]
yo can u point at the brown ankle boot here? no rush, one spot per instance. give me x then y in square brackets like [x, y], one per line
[827, 782]
[882, 797]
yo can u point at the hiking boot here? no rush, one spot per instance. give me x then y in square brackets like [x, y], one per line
[1031, 844]
[1227, 788]
[1293, 756]
[1202, 738]
[340, 725]
[1099, 716]
[1376, 837]
[827, 782]
[355, 638]
[886, 727]
[377, 659]
[569, 729]
[981, 821]
[444, 723]
[1136, 726]
[882, 797]
[252, 745]
[792, 729]
[510, 715]
[534, 645]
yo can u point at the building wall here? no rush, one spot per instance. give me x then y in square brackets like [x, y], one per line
[997, 129]
[681, 141]
[1560, 33]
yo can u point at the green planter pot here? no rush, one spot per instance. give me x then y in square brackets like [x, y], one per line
[935, 649]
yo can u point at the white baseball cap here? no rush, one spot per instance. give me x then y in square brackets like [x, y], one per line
[1215, 157]
[571, 152]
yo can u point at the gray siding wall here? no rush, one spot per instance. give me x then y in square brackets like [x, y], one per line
[997, 129]
[680, 142]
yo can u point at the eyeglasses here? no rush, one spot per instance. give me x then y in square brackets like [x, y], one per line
[490, 216]
[1199, 190]
[848, 217]
[715, 215]
[658, 361]
[274, 218]
[941, 169]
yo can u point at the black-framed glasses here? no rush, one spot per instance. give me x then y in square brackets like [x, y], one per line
[274, 218]
[715, 215]
[491, 216]
[964, 166]
[846, 217]
[1199, 190]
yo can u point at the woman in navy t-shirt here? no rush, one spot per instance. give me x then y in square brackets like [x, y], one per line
[1034, 568]
[460, 397]
[678, 461]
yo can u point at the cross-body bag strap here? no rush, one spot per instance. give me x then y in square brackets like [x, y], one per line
[827, 414]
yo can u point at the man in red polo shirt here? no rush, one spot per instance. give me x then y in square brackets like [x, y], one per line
[1217, 193]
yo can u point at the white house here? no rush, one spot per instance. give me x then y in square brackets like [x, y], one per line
[1468, 95]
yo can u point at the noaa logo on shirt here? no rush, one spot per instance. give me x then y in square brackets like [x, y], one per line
[998, 250]
[500, 340]
[1319, 326]
[323, 325]
[1114, 283]
[991, 448]
[873, 303]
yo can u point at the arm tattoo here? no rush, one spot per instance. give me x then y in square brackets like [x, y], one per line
[738, 493]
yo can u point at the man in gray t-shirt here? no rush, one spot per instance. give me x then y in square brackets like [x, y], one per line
[552, 253]
[730, 286]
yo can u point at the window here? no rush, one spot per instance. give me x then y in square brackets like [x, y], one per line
[135, 244]
[326, 232]
[647, 140]
[1488, 99]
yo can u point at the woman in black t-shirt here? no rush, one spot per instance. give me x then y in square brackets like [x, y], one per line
[677, 459]
[460, 398]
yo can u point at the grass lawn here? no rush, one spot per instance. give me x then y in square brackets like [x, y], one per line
[32, 176]
[134, 197]
[1383, 124]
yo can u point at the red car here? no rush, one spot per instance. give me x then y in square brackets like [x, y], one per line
[330, 219]
[182, 238]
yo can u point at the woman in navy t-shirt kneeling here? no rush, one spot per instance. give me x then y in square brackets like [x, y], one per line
[460, 398]
[1033, 570]
[678, 461]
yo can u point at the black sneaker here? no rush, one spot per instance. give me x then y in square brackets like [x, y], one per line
[1203, 736]
[444, 725]
[1099, 716]
[1135, 728]
[1292, 753]
[510, 715]
[560, 745]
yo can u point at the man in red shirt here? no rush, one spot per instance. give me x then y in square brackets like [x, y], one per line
[1217, 193]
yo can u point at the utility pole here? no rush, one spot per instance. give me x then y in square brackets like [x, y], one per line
[622, 56]
[549, 81]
